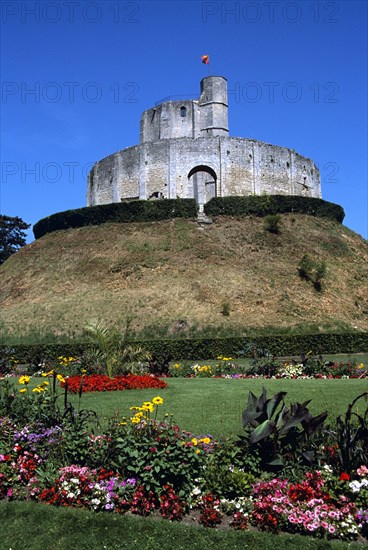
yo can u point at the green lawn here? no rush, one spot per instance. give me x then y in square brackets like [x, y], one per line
[215, 405]
[26, 525]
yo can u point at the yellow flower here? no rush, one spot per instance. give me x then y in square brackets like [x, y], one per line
[195, 441]
[22, 390]
[84, 371]
[135, 420]
[148, 406]
[157, 400]
[50, 373]
[38, 389]
[205, 440]
[198, 451]
[45, 383]
[24, 379]
[60, 378]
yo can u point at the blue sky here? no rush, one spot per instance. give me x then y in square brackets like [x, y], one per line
[76, 76]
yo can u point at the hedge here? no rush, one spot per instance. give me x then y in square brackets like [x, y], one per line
[206, 348]
[143, 211]
[124, 212]
[264, 205]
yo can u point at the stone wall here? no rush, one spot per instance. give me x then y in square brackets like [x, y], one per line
[157, 169]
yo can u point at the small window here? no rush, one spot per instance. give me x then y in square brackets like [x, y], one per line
[183, 112]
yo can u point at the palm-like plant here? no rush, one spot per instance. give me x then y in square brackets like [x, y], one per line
[112, 349]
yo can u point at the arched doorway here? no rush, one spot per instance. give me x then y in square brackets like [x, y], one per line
[202, 184]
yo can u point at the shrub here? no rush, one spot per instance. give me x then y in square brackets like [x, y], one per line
[111, 347]
[206, 348]
[273, 204]
[225, 309]
[313, 271]
[272, 223]
[133, 211]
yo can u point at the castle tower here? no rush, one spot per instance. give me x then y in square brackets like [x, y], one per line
[213, 107]
[185, 151]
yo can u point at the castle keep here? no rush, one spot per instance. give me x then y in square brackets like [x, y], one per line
[185, 151]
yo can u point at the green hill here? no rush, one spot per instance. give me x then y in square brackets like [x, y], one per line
[176, 275]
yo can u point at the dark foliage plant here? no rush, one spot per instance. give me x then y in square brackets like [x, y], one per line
[350, 436]
[281, 434]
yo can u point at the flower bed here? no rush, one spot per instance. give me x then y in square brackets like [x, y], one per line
[322, 503]
[268, 478]
[100, 382]
[268, 368]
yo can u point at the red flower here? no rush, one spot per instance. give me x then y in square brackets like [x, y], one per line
[344, 476]
[101, 382]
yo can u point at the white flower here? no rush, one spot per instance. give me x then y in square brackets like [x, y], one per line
[355, 486]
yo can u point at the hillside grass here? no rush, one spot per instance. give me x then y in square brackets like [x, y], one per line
[164, 272]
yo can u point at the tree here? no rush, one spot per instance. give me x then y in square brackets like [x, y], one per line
[12, 236]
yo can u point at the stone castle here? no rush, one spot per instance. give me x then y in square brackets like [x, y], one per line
[185, 151]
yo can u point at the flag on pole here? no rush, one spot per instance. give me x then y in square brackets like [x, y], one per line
[205, 59]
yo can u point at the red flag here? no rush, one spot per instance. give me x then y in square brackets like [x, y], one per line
[205, 59]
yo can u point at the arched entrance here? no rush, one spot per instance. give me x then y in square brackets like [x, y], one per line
[202, 184]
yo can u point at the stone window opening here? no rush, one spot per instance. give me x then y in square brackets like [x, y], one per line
[183, 112]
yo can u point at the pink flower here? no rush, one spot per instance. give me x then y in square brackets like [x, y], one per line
[331, 529]
[363, 470]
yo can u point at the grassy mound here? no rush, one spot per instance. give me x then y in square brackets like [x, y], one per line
[174, 276]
